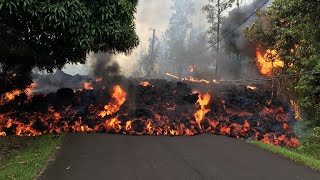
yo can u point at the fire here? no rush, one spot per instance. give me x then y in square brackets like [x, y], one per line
[190, 79]
[87, 86]
[191, 68]
[157, 110]
[203, 101]
[9, 96]
[145, 83]
[252, 88]
[118, 98]
[268, 62]
[98, 79]
[296, 109]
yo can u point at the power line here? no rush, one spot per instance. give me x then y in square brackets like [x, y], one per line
[234, 28]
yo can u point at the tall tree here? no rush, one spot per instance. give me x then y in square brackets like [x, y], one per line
[215, 9]
[176, 34]
[48, 34]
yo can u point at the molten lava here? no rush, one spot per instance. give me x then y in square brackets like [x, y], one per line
[145, 83]
[9, 96]
[165, 108]
[203, 101]
[119, 97]
[252, 88]
[268, 62]
[190, 79]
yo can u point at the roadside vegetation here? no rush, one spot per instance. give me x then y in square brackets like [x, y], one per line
[23, 158]
[308, 153]
[291, 28]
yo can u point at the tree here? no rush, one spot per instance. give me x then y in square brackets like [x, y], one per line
[48, 34]
[292, 28]
[175, 36]
[215, 8]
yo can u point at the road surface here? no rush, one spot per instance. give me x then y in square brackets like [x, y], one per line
[116, 157]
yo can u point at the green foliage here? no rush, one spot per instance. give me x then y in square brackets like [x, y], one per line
[50, 33]
[29, 157]
[292, 28]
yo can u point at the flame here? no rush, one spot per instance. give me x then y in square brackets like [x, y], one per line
[191, 68]
[145, 83]
[296, 110]
[9, 96]
[252, 88]
[221, 119]
[87, 86]
[203, 101]
[98, 79]
[119, 97]
[268, 61]
[190, 79]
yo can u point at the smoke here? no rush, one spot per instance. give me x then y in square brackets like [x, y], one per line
[102, 65]
[236, 42]
[48, 83]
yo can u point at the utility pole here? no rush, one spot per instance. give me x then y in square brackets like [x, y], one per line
[151, 63]
[218, 39]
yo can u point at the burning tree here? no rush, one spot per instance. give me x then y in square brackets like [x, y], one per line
[49, 34]
[292, 31]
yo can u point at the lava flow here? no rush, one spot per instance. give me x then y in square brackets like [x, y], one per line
[165, 108]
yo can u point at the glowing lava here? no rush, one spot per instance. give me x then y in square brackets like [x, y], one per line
[203, 101]
[190, 79]
[252, 88]
[145, 83]
[118, 98]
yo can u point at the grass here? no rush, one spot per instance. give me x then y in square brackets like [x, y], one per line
[23, 158]
[308, 153]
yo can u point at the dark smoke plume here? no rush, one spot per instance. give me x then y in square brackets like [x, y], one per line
[103, 66]
[236, 42]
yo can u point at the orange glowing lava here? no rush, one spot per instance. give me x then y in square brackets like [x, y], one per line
[118, 98]
[268, 62]
[252, 88]
[203, 101]
[190, 79]
[9, 96]
[145, 83]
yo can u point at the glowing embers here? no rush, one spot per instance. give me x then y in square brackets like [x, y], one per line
[268, 62]
[118, 98]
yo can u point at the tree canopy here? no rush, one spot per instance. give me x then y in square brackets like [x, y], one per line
[50, 33]
[292, 28]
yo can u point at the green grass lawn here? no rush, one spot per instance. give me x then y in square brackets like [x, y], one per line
[308, 153]
[23, 158]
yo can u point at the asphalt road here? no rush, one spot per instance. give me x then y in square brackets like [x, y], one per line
[116, 157]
